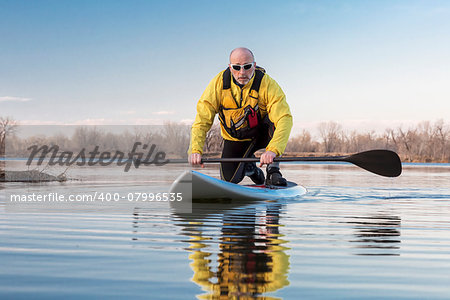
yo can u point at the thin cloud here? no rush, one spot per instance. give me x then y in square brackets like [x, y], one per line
[14, 99]
[39, 122]
[92, 122]
[187, 121]
[105, 122]
[163, 113]
[87, 122]
[134, 121]
[143, 121]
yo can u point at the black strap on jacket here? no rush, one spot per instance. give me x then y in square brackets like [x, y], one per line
[259, 74]
[247, 132]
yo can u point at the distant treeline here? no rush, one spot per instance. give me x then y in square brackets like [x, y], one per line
[425, 142]
[171, 138]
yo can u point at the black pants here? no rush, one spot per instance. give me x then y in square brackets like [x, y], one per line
[234, 172]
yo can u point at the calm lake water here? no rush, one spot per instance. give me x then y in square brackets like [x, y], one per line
[354, 235]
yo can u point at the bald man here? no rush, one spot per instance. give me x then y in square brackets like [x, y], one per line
[253, 115]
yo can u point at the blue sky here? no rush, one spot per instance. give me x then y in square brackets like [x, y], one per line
[364, 64]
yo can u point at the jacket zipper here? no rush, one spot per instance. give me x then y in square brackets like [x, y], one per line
[240, 104]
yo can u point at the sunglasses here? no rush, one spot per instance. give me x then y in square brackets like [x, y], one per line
[238, 67]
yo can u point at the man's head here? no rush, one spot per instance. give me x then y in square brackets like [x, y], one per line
[242, 65]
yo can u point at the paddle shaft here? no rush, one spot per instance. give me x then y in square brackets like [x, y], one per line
[256, 159]
[276, 159]
[381, 162]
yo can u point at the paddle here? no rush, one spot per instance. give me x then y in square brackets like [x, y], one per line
[381, 162]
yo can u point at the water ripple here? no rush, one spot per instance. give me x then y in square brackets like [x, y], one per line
[342, 240]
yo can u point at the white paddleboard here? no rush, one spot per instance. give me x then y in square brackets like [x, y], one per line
[199, 186]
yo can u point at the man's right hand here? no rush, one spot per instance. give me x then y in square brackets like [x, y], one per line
[195, 159]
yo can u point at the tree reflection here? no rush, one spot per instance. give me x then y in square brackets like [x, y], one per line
[377, 235]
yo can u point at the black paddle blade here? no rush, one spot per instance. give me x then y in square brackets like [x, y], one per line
[381, 162]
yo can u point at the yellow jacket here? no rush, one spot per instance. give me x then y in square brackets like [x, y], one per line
[271, 101]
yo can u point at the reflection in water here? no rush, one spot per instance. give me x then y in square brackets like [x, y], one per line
[377, 235]
[135, 224]
[2, 172]
[250, 258]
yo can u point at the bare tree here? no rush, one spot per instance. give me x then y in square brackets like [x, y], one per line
[213, 141]
[406, 139]
[331, 134]
[8, 126]
[390, 140]
[302, 142]
[442, 135]
[176, 137]
[87, 136]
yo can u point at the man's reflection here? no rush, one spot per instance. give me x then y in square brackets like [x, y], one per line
[251, 258]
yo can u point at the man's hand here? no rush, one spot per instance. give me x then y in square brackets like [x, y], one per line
[266, 158]
[195, 159]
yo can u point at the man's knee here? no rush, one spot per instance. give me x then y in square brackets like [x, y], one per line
[230, 173]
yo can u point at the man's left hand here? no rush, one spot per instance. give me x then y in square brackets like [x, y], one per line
[267, 158]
